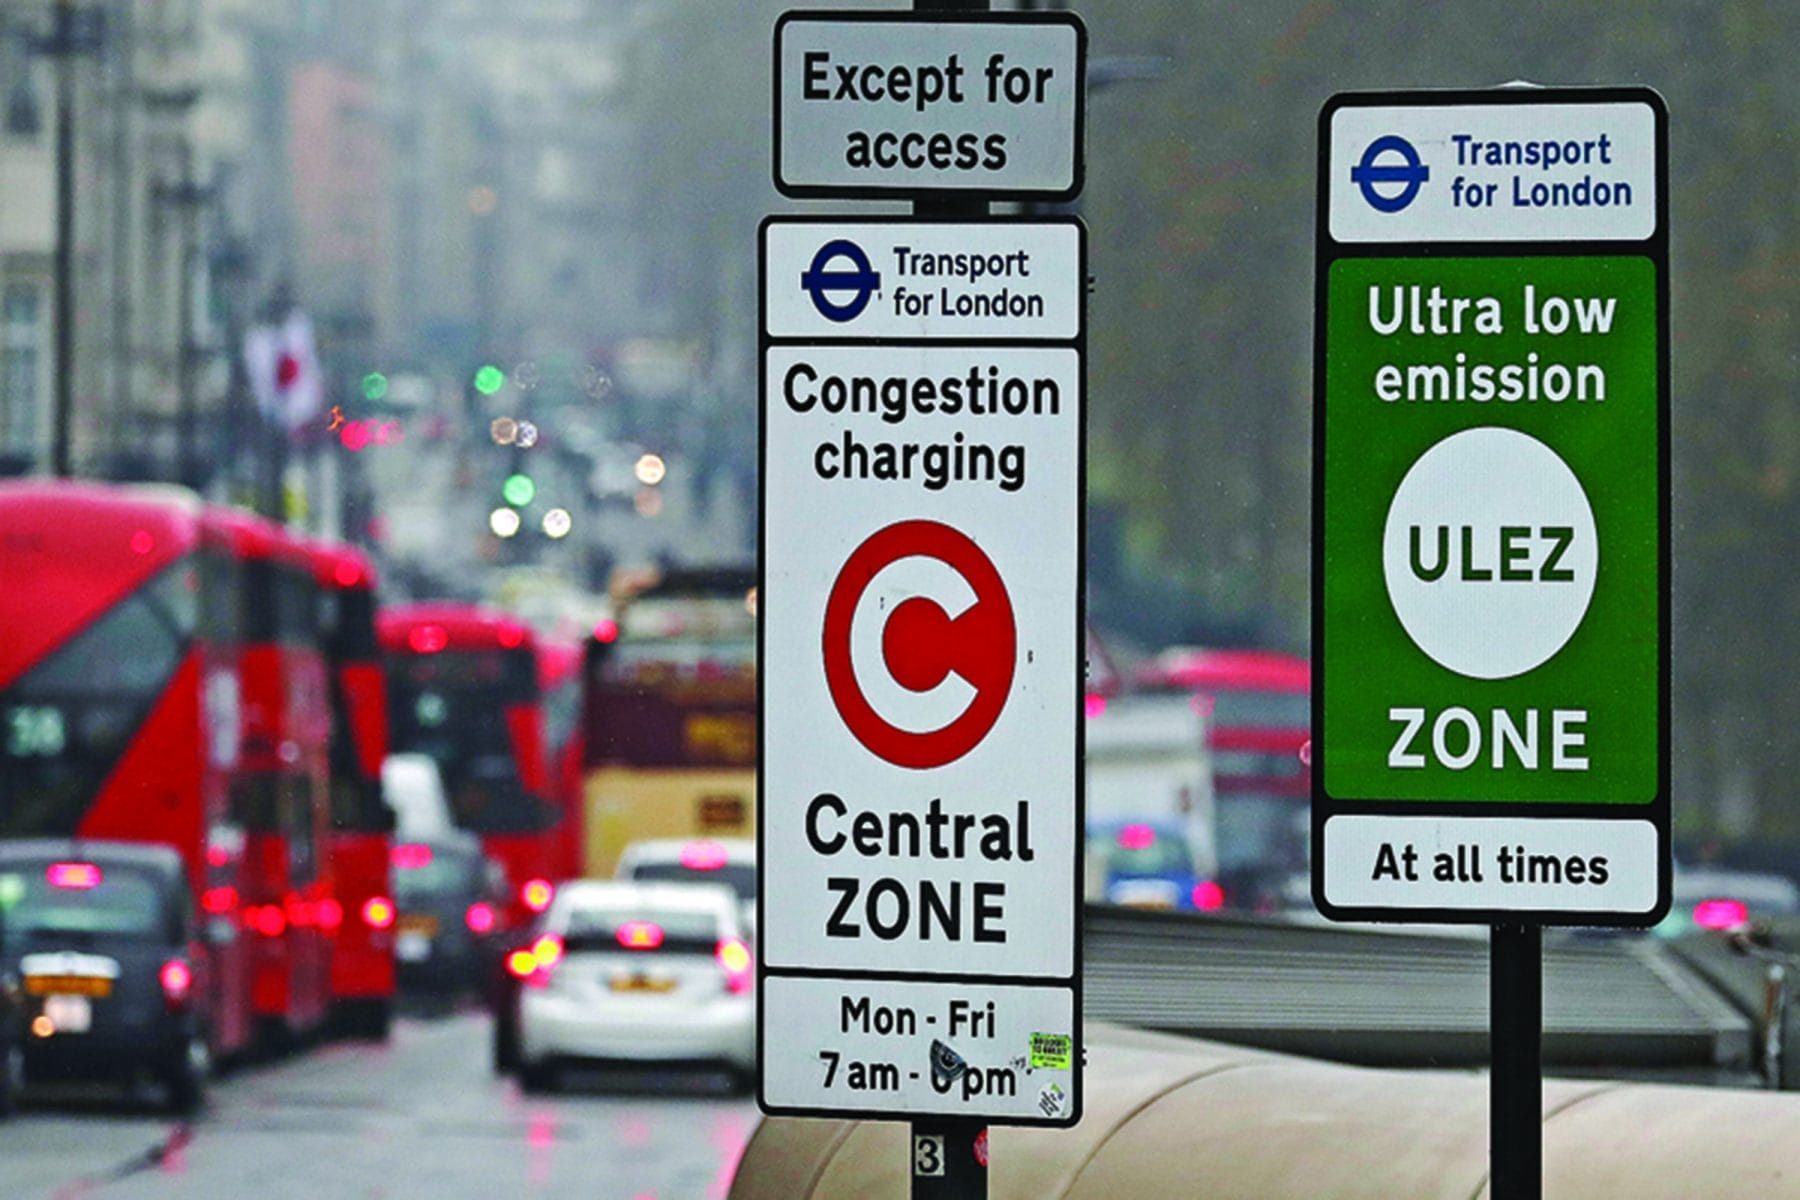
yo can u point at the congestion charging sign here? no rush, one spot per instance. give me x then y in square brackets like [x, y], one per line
[1491, 547]
[920, 823]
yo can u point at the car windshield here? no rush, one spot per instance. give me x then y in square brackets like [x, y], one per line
[1146, 853]
[437, 873]
[613, 926]
[46, 899]
[739, 877]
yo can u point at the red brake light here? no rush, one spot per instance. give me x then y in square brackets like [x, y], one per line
[73, 875]
[1095, 706]
[378, 912]
[640, 935]
[606, 631]
[219, 900]
[511, 636]
[1721, 914]
[734, 959]
[703, 856]
[480, 917]
[1136, 837]
[346, 574]
[427, 639]
[142, 542]
[1208, 896]
[330, 913]
[536, 894]
[545, 953]
[410, 856]
[267, 919]
[177, 980]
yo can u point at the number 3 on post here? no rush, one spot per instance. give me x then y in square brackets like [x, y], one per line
[928, 1154]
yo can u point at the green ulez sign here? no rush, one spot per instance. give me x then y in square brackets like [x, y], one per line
[1490, 582]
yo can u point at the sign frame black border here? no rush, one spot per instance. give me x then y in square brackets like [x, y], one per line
[1326, 252]
[914, 192]
[1073, 983]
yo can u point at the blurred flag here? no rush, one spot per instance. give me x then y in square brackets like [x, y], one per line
[284, 371]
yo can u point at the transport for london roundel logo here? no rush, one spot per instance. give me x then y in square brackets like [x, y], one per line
[948, 669]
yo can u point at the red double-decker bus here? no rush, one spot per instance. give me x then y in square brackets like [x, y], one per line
[280, 795]
[120, 697]
[463, 688]
[1257, 705]
[361, 839]
[560, 680]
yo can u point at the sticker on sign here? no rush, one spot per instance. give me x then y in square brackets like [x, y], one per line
[895, 104]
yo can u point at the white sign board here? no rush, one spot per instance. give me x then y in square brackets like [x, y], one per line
[923, 279]
[920, 822]
[1490, 737]
[874, 104]
[1001, 1051]
[1493, 173]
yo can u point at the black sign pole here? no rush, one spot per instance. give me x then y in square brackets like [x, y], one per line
[945, 1165]
[1516, 1077]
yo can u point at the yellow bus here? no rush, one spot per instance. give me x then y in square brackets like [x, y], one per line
[671, 713]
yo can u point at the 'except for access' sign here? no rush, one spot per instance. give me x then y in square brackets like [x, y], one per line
[895, 104]
[920, 824]
[1491, 508]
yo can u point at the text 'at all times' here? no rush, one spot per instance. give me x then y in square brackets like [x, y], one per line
[1507, 864]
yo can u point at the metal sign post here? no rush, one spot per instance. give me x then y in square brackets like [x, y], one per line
[1516, 1077]
[1491, 532]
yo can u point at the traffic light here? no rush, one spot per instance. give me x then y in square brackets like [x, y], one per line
[519, 490]
[489, 379]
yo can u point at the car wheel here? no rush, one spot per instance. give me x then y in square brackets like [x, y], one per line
[506, 1046]
[537, 1078]
[376, 1021]
[186, 1077]
[12, 1078]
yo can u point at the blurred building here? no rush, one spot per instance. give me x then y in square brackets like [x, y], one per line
[177, 227]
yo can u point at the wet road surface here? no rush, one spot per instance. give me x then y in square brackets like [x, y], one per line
[422, 1116]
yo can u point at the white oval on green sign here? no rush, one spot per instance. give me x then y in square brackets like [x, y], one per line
[1490, 552]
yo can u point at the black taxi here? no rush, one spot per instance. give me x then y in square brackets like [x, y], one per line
[101, 939]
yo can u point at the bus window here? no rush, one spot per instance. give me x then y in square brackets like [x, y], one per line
[453, 706]
[64, 725]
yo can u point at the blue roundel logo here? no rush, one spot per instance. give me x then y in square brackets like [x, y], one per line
[824, 281]
[1389, 161]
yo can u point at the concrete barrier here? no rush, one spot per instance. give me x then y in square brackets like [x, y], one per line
[1169, 1117]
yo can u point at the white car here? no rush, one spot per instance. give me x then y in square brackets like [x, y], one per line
[638, 972]
[730, 861]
